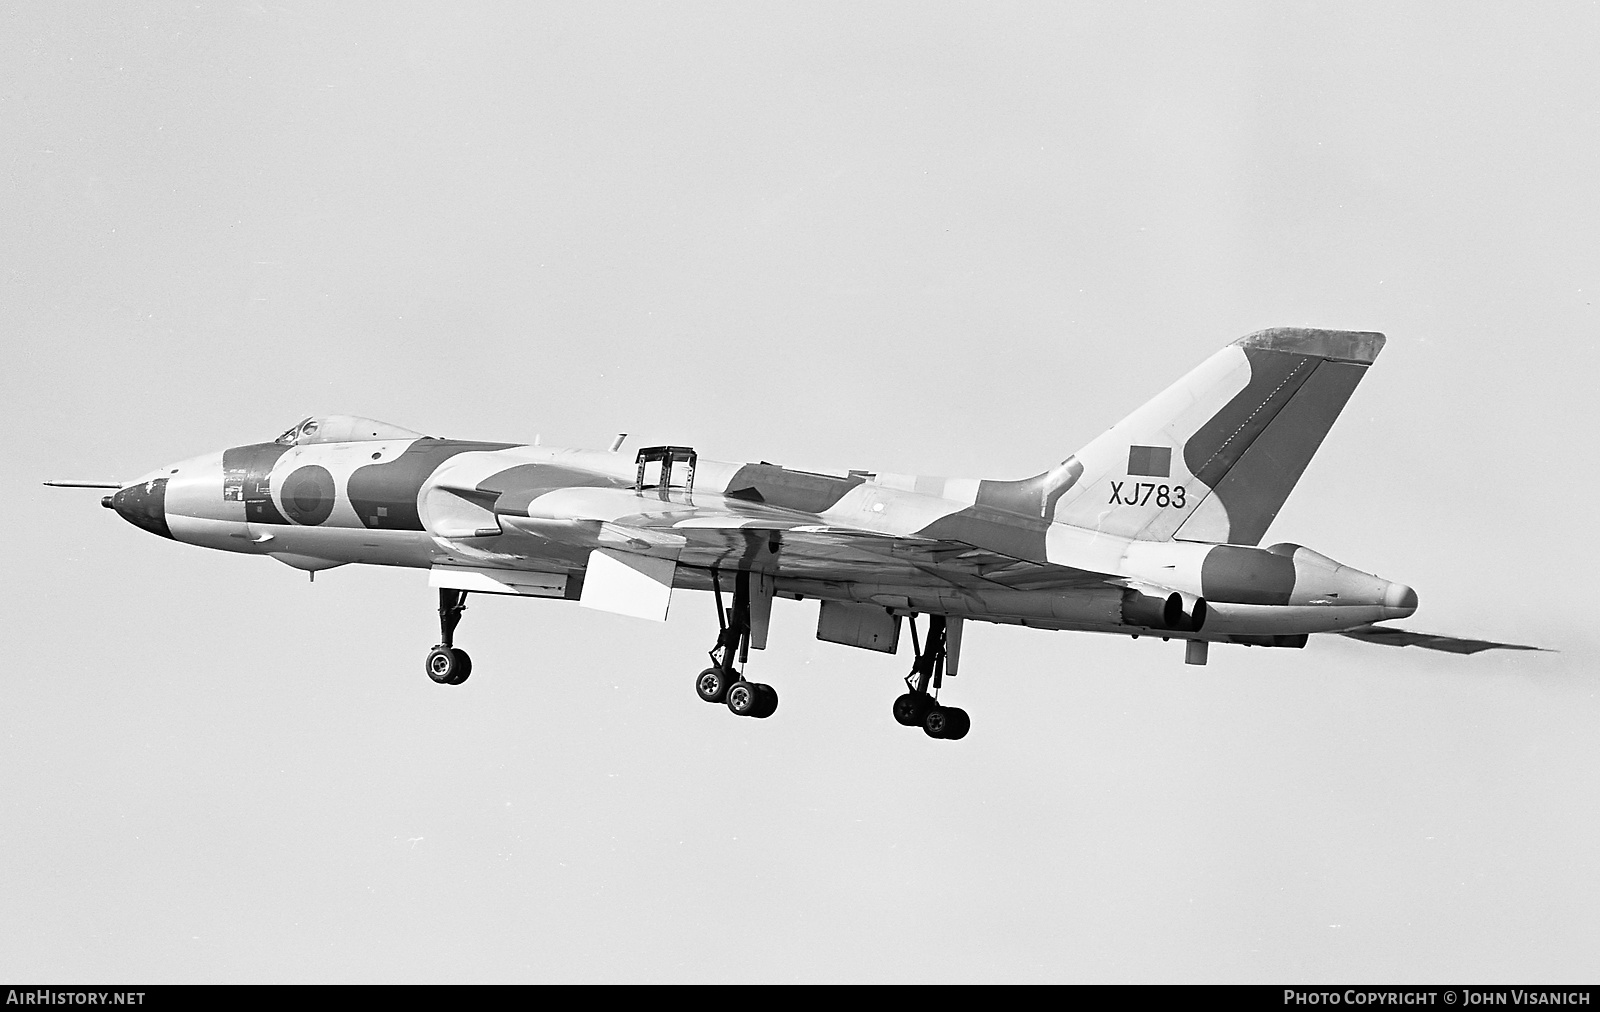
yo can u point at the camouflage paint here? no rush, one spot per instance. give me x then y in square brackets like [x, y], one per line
[1253, 451]
[1031, 497]
[515, 487]
[1218, 444]
[1247, 420]
[247, 478]
[385, 495]
[795, 490]
[1013, 535]
[1239, 575]
[1259, 482]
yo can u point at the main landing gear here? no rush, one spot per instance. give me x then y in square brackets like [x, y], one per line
[722, 683]
[919, 708]
[447, 664]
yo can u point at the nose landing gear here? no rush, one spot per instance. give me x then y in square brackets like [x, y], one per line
[722, 682]
[447, 664]
[919, 707]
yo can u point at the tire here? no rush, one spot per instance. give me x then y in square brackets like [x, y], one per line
[910, 708]
[712, 684]
[960, 723]
[444, 665]
[769, 700]
[938, 722]
[744, 699]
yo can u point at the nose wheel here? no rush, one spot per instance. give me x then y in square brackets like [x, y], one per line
[723, 682]
[921, 708]
[447, 664]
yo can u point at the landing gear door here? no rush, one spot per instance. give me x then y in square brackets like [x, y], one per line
[867, 626]
[761, 587]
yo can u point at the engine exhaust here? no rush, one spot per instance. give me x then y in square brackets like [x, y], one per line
[1176, 612]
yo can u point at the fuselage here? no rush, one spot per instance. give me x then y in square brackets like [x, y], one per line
[375, 494]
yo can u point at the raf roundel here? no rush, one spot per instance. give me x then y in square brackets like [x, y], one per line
[308, 495]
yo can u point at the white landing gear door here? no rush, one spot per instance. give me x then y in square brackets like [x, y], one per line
[627, 584]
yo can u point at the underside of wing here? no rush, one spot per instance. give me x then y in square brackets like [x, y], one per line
[1391, 637]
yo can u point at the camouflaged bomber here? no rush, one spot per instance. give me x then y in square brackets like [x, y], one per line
[1152, 529]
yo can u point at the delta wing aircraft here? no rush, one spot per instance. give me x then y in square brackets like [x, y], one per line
[1151, 530]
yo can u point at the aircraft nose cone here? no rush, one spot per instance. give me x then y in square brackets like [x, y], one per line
[144, 505]
[1399, 601]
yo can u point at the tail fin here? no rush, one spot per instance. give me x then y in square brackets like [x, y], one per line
[1214, 456]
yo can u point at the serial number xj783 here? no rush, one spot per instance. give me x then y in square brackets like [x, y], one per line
[1165, 495]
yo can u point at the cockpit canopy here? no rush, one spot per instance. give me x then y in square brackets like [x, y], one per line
[342, 429]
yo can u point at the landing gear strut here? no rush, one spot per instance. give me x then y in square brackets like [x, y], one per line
[722, 682]
[919, 707]
[446, 664]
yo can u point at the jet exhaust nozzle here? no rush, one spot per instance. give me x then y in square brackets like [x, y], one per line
[1176, 611]
[1191, 610]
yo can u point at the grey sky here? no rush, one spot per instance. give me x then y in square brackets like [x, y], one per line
[953, 240]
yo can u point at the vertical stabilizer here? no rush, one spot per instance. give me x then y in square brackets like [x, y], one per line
[1214, 456]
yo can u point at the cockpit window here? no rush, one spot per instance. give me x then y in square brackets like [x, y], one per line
[342, 429]
[292, 436]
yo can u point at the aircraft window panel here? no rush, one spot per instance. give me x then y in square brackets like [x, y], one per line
[292, 436]
[343, 429]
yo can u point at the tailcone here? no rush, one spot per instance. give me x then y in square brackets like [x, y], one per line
[1399, 601]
